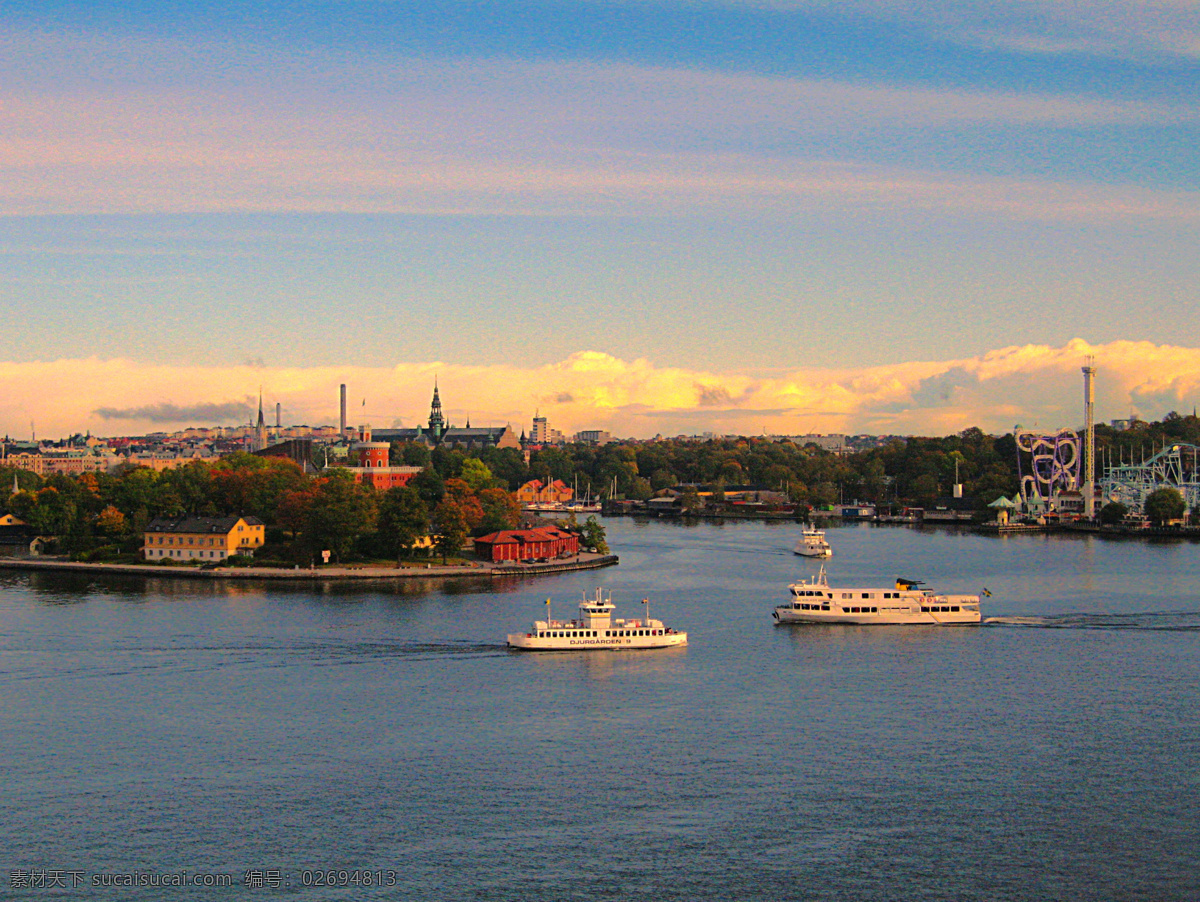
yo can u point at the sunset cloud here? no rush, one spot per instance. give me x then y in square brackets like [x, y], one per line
[1029, 385]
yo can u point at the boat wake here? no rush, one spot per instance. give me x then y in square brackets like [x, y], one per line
[1163, 622]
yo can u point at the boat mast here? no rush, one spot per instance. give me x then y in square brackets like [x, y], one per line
[646, 602]
[547, 613]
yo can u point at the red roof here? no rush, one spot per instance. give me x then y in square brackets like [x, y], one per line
[521, 536]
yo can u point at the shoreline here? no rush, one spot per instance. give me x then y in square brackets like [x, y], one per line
[326, 574]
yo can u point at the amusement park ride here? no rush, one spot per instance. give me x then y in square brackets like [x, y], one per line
[1054, 467]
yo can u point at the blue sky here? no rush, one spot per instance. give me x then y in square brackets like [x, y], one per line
[755, 214]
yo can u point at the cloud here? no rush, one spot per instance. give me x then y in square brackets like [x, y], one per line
[1103, 28]
[713, 396]
[1029, 385]
[221, 414]
[471, 136]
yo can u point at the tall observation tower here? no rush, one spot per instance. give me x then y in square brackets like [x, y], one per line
[1089, 441]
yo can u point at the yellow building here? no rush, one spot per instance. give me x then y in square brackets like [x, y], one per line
[204, 539]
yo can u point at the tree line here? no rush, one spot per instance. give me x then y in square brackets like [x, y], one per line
[459, 493]
[103, 515]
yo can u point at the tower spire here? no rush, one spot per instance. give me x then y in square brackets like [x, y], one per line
[437, 422]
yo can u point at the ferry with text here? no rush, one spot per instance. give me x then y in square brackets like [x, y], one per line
[906, 603]
[596, 629]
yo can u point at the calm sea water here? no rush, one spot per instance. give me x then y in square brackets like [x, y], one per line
[270, 732]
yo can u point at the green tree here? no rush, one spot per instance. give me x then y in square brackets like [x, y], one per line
[476, 474]
[430, 486]
[450, 526]
[1113, 513]
[690, 499]
[403, 518]
[1163, 505]
[412, 454]
[341, 511]
[593, 535]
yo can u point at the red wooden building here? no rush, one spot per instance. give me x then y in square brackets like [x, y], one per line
[545, 542]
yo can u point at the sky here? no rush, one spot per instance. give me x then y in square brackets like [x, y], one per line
[644, 216]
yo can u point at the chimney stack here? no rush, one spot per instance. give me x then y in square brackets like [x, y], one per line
[343, 423]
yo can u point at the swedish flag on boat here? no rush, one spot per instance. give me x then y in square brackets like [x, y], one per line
[987, 593]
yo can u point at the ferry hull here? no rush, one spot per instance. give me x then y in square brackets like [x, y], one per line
[527, 642]
[785, 615]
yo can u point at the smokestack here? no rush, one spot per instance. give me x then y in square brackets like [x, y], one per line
[343, 432]
[278, 415]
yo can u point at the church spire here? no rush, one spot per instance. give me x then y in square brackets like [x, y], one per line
[436, 421]
[260, 430]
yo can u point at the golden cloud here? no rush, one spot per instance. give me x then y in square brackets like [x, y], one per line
[1030, 384]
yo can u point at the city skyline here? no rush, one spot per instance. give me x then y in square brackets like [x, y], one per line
[645, 216]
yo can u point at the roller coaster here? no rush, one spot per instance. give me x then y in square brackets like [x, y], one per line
[1176, 466]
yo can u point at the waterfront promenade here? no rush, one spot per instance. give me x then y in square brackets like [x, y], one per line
[473, 569]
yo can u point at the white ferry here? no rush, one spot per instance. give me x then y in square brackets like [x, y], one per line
[596, 629]
[813, 543]
[818, 602]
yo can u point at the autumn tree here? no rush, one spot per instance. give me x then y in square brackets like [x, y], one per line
[500, 510]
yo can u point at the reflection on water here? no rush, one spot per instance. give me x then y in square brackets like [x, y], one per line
[162, 724]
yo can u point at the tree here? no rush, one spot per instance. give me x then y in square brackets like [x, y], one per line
[451, 528]
[429, 486]
[110, 522]
[341, 510]
[690, 499]
[403, 518]
[500, 510]
[476, 474]
[462, 495]
[1113, 513]
[1163, 505]
[411, 454]
[593, 535]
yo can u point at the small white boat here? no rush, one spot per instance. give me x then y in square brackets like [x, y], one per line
[813, 543]
[596, 629]
[816, 601]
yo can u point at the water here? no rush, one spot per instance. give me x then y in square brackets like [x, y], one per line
[172, 726]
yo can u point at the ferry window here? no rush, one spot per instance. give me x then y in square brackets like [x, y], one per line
[824, 607]
[606, 634]
[954, 609]
[924, 610]
[874, 610]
